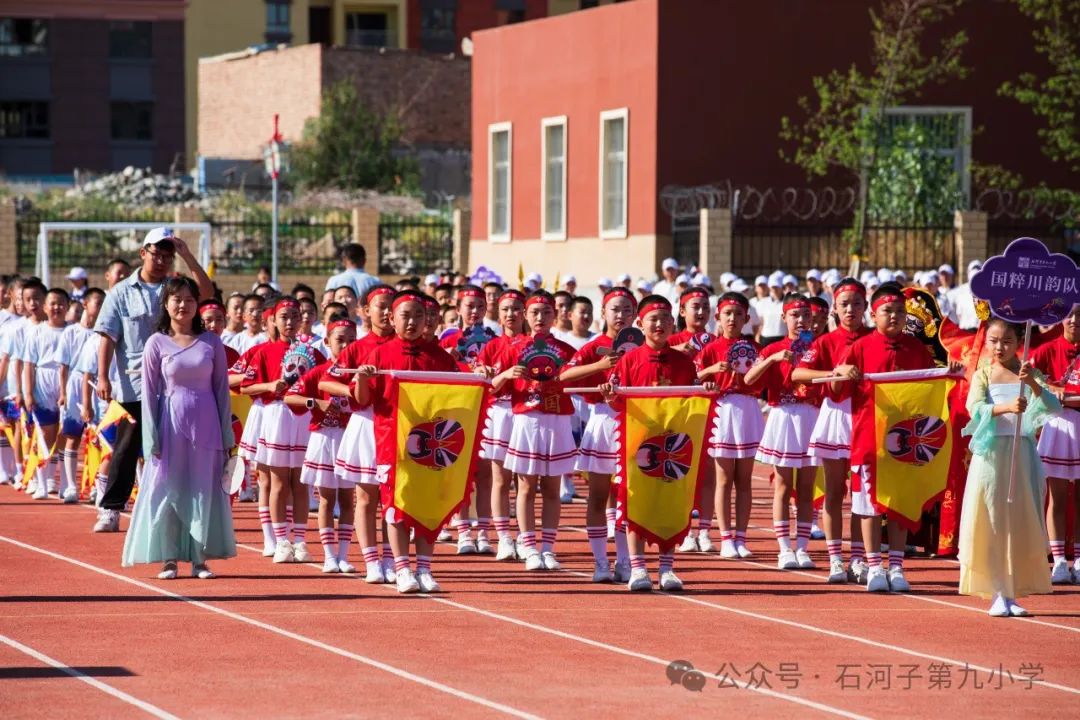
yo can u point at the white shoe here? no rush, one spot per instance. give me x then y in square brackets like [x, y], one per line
[602, 573]
[483, 546]
[346, 567]
[52, 486]
[1076, 571]
[1015, 610]
[406, 582]
[108, 521]
[786, 560]
[621, 573]
[202, 572]
[550, 563]
[728, 550]
[1000, 607]
[566, 490]
[816, 533]
[837, 574]
[639, 580]
[91, 497]
[168, 571]
[330, 565]
[388, 570]
[31, 485]
[1059, 575]
[533, 561]
[857, 571]
[444, 535]
[704, 543]
[897, 581]
[40, 492]
[268, 549]
[670, 582]
[5, 480]
[744, 552]
[804, 560]
[689, 544]
[283, 552]
[374, 573]
[507, 550]
[877, 580]
[71, 496]
[300, 552]
[465, 546]
[427, 582]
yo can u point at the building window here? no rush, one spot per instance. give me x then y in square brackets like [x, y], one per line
[553, 182]
[508, 12]
[23, 36]
[943, 134]
[499, 181]
[368, 29]
[24, 120]
[278, 27]
[130, 40]
[613, 145]
[132, 121]
[586, 4]
[437, 33]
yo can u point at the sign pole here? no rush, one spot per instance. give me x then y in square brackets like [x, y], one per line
[275, 171]
[1017, 431]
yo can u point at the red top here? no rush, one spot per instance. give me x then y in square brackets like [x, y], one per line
[587, 355]
[1054, 358]
[264, 365]
[779, 390]
[496, 355]
[231, 357]
[740, 359]
[308, 386]
[240, 364]
[825, 353]
[449, 343]
[645, 367]
[535, 396]
[353, 356]
[1072, 378]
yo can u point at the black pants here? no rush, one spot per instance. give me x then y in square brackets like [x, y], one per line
[124, 460]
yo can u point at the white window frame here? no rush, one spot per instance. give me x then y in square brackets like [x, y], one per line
[494, 128]
[545, 123]
[619, 232]
[964, 111]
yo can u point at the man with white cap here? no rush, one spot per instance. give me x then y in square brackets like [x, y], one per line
[430, 283]
[127, 319]
[771, 310]
[946, 278]
[667, 285]
[815, 287]
[644, 288]
[725, 281]
[750, 329]
[962, 302]
[569, 285]
[78, 279]
[625, 280]
[791, 283]
[533, 281]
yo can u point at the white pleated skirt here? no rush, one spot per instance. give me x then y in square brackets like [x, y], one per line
[599, 451]
[1059, 445]
[320, 458]
[355, 461]
[283, 436]
[249, 439]
[541, 444]
[787, 435]
[831, 436]
[737, 427]
[496, 434]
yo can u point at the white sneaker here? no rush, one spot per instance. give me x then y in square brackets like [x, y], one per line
[507, 550]
[566, 490]
[877, 580]
[445, 535]
[621, 573]
[168, 571]
[520, 550]
[71, 496]
[704, 543]
[837, 573]
[283, 552]
[786, 560]
[744, 552]
[670, 582]
[602, 573]
[857, 571]
[268, 549]
[1059, 575]
[427, 582]
[533, 561]
[483, 545]
[374, 573]
[728, 550]
[689, 544]
[639, 580]
[897, 581]
[1015, 610]
[816, 533]
[1076, 571]
[804, 560]
[202, 572]
[388, 570]
[465, 546]
[1000, 607]
[108, 521]
[330, 565]
[5, 480]
[550, 563]
[92, 496]
[40, 492]
[346, 567]
[52, 486]
[300, 552]
[406, 582]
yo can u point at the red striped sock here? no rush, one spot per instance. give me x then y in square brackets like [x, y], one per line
[371, 554]
[387, 551]
[281, 531]
[637, 562]
[502, 527]
[782, 529]
[401, 563]
[622, 549]
[835, 548]
[423, 562]
[857, 552]
[740, 537]
[802, 533]
[288, 520]
[527, 539]
[547, 538]
[482, 525]
[1057, 549]
[726, 536]
[667, 561]
[300, 533]
[896, 558]
[704, 526]
[463, 528]
[1076, 551]
[873, 560]
[344, 538]
[328, 538]
[597, 542]
[609, 515]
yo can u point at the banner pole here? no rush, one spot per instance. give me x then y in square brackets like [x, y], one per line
[1019, 418]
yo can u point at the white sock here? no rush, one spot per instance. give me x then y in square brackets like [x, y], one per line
[598, 543]
[328, 538]
[7, 458]
[267, 527]
[622, 549]
[71, 462]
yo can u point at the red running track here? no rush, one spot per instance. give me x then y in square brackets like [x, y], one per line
[82, 637]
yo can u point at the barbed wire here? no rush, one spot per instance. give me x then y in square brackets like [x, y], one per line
[1023, 205]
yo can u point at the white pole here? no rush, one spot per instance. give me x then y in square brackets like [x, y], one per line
[274, 237]
[1019, 418]
[43, 253]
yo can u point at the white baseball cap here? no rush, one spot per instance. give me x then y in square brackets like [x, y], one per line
[884, 275]
[605, 282]
[761, 280]
[899, 274]
[790, 280]
[946, 268]
[534, 277]
[643, 284]
[872, 283]
[738, 285]
[623, 278]
[157, 235]
[813, 274]
[776, 279]
[974, 266]
[866, 275]
[670, 264]
[683, 279]
[569, 279]
[726, 278]
[77, 273]
[701, 279]
[431, 279]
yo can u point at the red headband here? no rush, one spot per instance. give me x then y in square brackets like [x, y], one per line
[544, 299]
[515, 294]
[429, 302]
[268, 313]
[847, 286]
[379, 290]
[211, 306]
[339, 324]
[285, 303]
[885, 300]
[653, 305]
[691, 294]
[462, 294]
[798, 304]
[618, 292]
[406, 297]
[724, 303]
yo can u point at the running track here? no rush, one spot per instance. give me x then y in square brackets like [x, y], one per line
[82, 637]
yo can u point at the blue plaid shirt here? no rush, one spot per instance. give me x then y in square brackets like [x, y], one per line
[128, 317]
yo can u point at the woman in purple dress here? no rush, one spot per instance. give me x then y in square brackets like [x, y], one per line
[182, 511]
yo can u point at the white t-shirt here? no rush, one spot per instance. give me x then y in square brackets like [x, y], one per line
[573, 340]
[493, 326]
[962, 307]
[242, 342]
[771, 312]
[11, 341]
[43, 351]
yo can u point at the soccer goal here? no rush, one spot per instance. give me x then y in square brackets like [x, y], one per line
[41, 264]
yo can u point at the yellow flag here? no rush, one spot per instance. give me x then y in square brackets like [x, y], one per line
[914, 447]
[662, 452]
[113, 414]
[819, 487]
[91, 462]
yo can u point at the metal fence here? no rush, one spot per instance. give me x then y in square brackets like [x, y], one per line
[412, 246]
[1055, 235]
[307, 244]
[91, 249]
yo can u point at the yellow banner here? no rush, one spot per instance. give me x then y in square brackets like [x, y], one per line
[661, 456]
[437, 429]
[911, 421]
[113, 414]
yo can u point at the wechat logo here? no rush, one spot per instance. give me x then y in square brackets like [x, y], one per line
[682, 672]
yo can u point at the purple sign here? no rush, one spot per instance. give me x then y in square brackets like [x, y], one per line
[1028, 283]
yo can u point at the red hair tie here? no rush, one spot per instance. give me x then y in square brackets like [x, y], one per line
[616, 293]
[404, 298]
[654, 305]
[796, 305]
[848, 286]
[885, 300]
[691, 294]
[268, 313]
[544, 299]
[339, 324]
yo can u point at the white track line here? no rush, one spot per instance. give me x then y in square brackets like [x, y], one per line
[146, 707]
[404, 674]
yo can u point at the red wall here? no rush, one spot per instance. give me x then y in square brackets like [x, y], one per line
[575, 65]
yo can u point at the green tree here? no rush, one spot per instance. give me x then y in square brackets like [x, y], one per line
[845, 125]
[348, 146]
